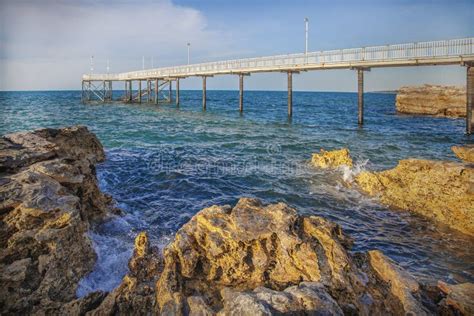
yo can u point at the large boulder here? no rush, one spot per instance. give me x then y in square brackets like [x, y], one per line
[434, 100]
[256, 259]
[439, 190]
[49, 197]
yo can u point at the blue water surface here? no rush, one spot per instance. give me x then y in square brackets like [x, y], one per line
[165, 163]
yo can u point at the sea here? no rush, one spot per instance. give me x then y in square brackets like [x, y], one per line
[165, 163]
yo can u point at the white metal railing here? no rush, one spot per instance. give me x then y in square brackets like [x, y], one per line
[398, 52]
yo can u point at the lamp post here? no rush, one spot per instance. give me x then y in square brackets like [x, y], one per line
[108, 68]
[92, 64]
[306, 26]
[189, 45]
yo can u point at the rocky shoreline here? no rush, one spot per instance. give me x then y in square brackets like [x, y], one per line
[250, 259]
[435, 100]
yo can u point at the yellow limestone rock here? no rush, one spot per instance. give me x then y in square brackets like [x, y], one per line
[332, 159]
[434, 100]
[439, 190]
[256, 259]
[465, 153]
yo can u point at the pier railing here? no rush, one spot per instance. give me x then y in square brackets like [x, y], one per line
[372, 56]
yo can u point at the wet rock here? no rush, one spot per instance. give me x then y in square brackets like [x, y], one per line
[459, 299]
[402, 285]
[49, 197]
[332, 159]
[434, 100]
[136, 294]
[465, 153]
[441, 191]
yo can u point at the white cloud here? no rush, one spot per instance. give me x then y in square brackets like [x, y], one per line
[52, 40]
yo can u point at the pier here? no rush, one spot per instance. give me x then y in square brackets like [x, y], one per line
[159, 81]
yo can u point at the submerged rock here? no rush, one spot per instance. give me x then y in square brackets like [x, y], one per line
[439, 190]
[49, 196]
[432, 100]
[465, 153]
[332, 159]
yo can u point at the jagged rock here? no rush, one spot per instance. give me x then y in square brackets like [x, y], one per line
[439, 190]
[136, 294]
[432, 100]
[465, 153]
[402, 285]
[332, 159]
[49, 195]
[460, 298]
[266, 259]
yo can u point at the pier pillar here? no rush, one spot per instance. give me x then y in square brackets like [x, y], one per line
[290, 94]
[88, 90]
[140, 91]
[157, 88]
[469, 99]
[171, 90]
[82, 91]
[241, 93]
[177, 91]
[148, 90]
[104, 92]
[360, 95]
[110, 91]
[130, 95]
[204, 93]
[125, 96]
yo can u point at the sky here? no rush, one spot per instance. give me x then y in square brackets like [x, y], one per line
[47, 44]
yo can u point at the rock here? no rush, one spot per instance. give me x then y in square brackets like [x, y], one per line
[307, 298]
[332, 159]
[434, 100]
[49, 198]
[465, 153]
[402, 285]
[266, 259]
[136, 294]
[441, 191]
[460, 298]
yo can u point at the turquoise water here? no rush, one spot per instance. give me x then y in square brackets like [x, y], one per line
[164, 164]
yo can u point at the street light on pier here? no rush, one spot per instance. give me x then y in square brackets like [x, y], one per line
[189, 45]
[92, 64]
[306, 27]
[108, 68]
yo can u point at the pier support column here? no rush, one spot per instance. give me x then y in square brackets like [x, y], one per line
[157, 88]
[110, 91]
[125, 96]
[204, 93]
[130, 94]
[290, 94]
[104, 91]
[241, 93]
[148, 90]
[469, 98]
[171, 90]
[177, 91]
[360, 95]
[140, 91]
[82, 91]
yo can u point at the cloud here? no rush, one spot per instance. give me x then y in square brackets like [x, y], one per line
[52, 40]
